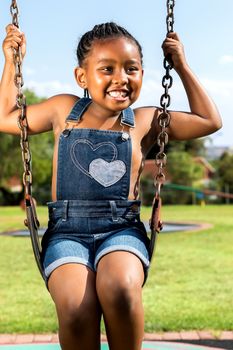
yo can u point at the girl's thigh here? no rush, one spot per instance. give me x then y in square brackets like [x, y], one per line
[73, 286]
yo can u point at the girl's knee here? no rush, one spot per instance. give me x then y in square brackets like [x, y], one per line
[79, 320]
[76, 315]
[122, 294]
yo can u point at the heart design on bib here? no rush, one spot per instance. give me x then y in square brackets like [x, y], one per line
[106, 173]
[107, 170]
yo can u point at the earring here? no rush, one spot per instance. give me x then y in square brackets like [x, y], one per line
[86, 93]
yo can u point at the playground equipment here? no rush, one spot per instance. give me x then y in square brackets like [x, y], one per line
[32, 221]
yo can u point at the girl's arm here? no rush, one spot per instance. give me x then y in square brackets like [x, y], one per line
[203, 118]
[40, 116]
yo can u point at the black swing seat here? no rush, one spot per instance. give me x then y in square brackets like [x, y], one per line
[156, 224]
[33, 225]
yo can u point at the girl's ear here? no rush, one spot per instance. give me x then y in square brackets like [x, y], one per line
[80, 77]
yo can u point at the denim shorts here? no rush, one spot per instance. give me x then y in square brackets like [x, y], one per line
[80, 233]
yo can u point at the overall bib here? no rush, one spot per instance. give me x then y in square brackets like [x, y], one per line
[92, 215]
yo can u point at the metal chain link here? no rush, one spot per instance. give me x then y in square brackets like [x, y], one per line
[21, 104]
[164, 117]
[170, 15]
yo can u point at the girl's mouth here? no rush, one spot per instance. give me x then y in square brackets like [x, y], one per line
[118, 95]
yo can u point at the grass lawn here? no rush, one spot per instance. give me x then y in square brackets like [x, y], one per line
[190, 282]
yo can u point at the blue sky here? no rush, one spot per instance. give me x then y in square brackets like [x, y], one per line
[205, 27]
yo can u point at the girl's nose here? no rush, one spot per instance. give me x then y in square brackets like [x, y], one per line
[120, 77]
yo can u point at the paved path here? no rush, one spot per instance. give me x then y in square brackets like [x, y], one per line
[146, 346]
[158, 341]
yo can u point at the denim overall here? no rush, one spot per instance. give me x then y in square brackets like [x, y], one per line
[92, 215]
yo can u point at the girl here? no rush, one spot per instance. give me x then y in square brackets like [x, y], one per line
[95, 250]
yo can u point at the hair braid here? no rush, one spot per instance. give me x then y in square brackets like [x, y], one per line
[101, 32]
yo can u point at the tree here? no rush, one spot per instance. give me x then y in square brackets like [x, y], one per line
[10, 165]
[10, 157]
[42, 152]
[225, 171]
[10, 150]
[195, 147]
[183, 171]
[41, 148]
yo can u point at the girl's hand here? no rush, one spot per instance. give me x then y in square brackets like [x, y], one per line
[14, 39]
[173, 46]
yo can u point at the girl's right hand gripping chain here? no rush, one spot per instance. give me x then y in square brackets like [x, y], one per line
[14, 39]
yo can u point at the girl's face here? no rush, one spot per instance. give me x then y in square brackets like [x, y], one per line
[112, 73]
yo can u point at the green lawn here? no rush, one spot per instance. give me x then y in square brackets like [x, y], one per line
[190, 283]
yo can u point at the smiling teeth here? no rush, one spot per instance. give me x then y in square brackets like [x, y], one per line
[117, 93]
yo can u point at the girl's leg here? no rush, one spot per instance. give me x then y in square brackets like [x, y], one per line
[73, 289]
[119, 282]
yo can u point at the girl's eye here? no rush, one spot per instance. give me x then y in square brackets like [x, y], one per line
[107, 69]
[132, 69]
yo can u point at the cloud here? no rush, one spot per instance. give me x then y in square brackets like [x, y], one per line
[29, 71]
[225, 59]
[50, 88]
[219, 88]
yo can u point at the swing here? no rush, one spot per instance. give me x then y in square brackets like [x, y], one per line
[31, 220]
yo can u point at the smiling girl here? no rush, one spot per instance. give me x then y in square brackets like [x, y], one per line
[95, 250]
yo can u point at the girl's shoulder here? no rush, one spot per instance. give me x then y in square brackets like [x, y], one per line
[64, 102]
[62, 105]
[146, 116]
[146, 111]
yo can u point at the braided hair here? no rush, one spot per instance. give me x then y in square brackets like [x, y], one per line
[101, 32]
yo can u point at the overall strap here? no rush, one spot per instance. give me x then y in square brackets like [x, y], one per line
[79, 108]
[127, 115]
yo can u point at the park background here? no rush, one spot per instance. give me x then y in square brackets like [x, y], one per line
[53, 29]
[190, 284]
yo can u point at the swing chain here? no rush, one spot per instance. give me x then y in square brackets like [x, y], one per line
[170, 15]
[165, 100]
[21, 104]
[14, 13]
